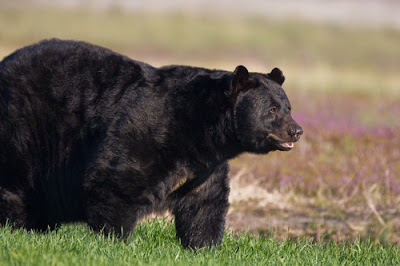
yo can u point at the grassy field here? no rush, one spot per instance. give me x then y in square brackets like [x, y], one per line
[340, 184]
[320, 57]
[154, 243]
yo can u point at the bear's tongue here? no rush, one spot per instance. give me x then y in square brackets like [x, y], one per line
[289, 145]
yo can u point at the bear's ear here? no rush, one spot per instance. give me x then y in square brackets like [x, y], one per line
[239, 80]
[277, 76]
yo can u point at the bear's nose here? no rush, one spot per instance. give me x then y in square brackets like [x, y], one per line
[295, 132]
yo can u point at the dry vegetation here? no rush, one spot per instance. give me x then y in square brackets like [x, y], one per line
[342, 180]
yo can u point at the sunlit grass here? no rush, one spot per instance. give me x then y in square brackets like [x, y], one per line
[154, 243]
[343, 83]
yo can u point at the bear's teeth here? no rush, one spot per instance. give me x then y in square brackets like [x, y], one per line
[288, 144]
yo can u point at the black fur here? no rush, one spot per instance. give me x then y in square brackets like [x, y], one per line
[89, 135]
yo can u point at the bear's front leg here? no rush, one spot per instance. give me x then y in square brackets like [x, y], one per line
[112, 202]
[200, 213]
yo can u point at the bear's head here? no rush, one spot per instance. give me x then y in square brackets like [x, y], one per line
[263, 121]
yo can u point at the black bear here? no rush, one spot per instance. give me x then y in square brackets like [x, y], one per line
[87, 134]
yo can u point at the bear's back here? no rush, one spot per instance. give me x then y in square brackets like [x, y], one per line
[57, 99]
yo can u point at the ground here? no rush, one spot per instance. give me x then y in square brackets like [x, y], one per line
[341, 179]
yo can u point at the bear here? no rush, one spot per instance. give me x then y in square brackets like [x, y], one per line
[89, 135]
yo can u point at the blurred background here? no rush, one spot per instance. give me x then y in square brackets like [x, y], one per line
[341, 60]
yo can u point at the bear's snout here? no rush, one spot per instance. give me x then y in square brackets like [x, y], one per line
[295, 131]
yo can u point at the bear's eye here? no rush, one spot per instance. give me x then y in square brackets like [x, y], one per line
[272, 110]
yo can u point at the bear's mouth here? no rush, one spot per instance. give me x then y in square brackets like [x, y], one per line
[285, 146]
[279, 143]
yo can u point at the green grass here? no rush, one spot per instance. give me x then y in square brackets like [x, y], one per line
[154, 243]
[326, 175]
